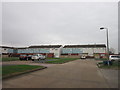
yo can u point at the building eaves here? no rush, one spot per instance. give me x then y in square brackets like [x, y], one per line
[46, 46]
[6, 47]
[84, 46]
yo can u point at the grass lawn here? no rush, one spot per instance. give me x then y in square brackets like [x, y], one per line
[61, 60]
[14, 69]
[10, 59]
[115, 65]
[102, 59]
[52, 58]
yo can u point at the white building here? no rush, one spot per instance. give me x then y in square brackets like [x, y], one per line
[48, 50]
[6, 50]
[96, 50]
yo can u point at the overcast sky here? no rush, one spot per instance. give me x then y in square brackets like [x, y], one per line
[37, 23]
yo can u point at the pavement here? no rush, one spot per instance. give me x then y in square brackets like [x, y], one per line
[111, 77]
[74, 74]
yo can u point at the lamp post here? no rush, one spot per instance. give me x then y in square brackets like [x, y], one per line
[104, 28]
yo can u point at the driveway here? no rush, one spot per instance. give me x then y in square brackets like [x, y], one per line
[74, 74]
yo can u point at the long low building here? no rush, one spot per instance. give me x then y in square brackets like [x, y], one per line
[94, 51]
[47, 50]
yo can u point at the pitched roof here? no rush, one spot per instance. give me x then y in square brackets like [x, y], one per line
[46, 46]
[6, 47]
[13, 47]
[22, 48]
[84, 46]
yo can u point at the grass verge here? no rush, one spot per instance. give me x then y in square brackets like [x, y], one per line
[52, 58]
[13, 70]
[9, 59]
[101, 59]
[115, 65]
[61, 60]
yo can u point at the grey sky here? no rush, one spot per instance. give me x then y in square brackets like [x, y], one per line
[36, 23]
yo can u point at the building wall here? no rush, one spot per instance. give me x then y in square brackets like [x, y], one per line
[60, 52]
[6, 50]
[97, 52]
[55, 51]
[83, 50]
[91, 51]
[71, 50]
[34, 50]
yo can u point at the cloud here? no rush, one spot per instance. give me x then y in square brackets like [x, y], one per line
[26, 23]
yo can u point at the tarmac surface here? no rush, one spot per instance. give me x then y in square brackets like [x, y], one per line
[74, 74]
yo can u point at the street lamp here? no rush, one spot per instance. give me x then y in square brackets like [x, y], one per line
[104, 28]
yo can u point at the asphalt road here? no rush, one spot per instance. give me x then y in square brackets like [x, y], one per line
[74, 74]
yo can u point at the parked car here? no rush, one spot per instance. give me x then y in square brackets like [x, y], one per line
[38, 57]
[23, 57]
[83, 57]
[29, 57]
[114, 57]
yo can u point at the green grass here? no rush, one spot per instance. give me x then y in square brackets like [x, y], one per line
[115, 65]
[52, 58]
[12, 69]
[61, 60]
[102, 59]
[9, 59]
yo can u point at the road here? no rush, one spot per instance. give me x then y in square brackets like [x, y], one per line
[74, 74]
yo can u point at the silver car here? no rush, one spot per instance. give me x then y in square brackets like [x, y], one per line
[38, 57]
[114, 57]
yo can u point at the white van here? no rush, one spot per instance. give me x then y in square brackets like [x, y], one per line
[114, 57]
